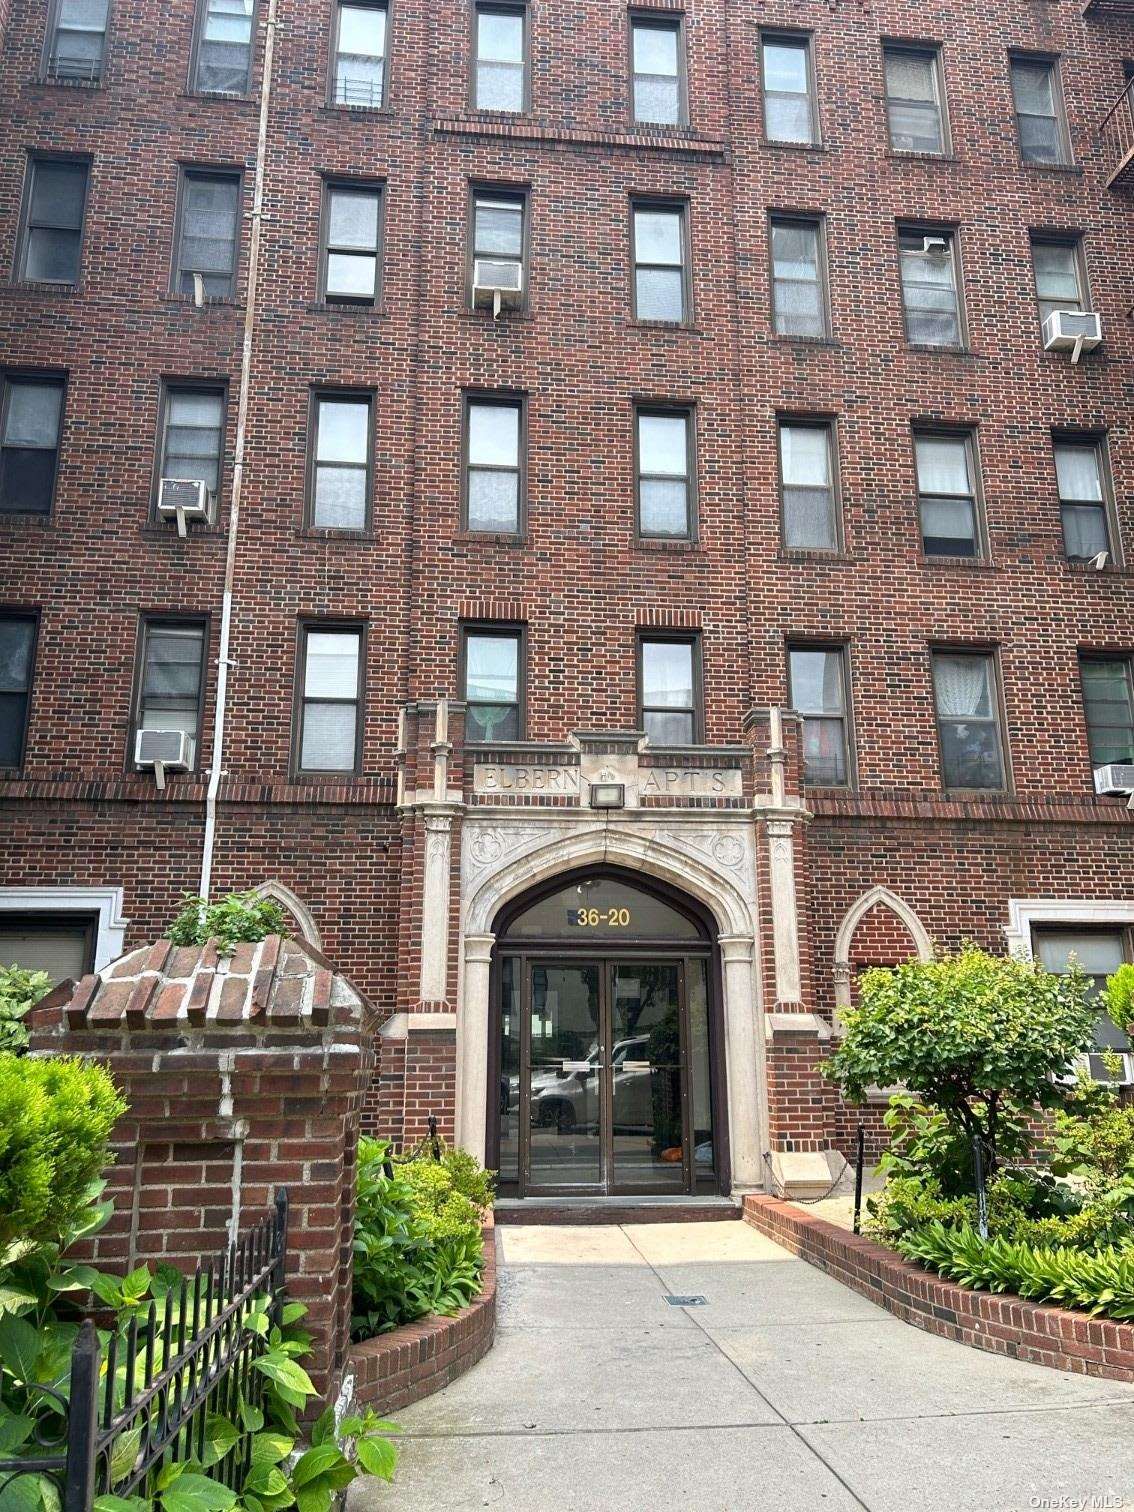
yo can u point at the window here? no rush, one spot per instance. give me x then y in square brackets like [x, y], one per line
[329, 708]
[1099, 953]
[224, 46]
[498, 240]
[968, 719]
[192, 434]
[946, 492]
[659, 263]
[659, 76]
[352, 235]
[789, 98]
[913, 99]
[491, 679]
[17, 655]
[1083, 504]
[501, 81]
[208, 233]
[493, 464]
[1108, 701]
[171, 680]
[1058, 269]
[29, 444]
[52, 232]
[799, 294]
[669, 689]
[76, 40]
[929, 286]
[359, 73]
[1039, 111]
[63, 945]
[810, 512]
[340, 482]
[665, 472]
[818, 692]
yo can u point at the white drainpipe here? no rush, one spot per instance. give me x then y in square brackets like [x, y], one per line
[216, 771]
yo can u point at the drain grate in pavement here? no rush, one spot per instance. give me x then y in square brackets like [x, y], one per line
[690, 1300]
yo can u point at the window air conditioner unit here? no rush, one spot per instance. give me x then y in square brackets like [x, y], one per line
[497, 285]
[164, 750]
[183, 500]
[1114, 780]
[935, 246]
[1074, 331]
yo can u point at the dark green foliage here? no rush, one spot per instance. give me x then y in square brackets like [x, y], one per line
[20, 990]
[239, 918]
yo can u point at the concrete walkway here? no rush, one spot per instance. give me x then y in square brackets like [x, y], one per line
[784, 1391]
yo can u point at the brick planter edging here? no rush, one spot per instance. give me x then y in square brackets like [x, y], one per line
[1000, 1323]
[417, 1359]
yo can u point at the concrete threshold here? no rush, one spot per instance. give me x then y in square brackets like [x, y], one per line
[615, 1210]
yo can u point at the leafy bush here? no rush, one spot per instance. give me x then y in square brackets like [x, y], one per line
[56, 1116]
[418, 1248]
[1118, 996]
[20, 990]
[1101, 1282]
[925, 1142]
[977, 1037]
[239, 918]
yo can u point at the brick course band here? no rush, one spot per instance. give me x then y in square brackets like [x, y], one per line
[418, 1359]
[1000, 1324]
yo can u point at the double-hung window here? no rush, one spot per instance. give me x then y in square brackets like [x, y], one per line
[1108, 702]
[329, 722]
[224, 46]
[30, 421]
[914, 110]
[492, 682]
[658, 67]
[1058, 268]
[818, 692]
[498, 240]
[660, 262]
[494, 429]
[208, 233]
[171, 678]
[501, 78]
[799, 293]
[1040, 120]
[76, 40]
[669, 689]
[1099, 953]
[947, 494]
[358, 75]
[53, 220]
[339, 493]
[352, 236]
[807, 484]
[789, 90]
[192, 444]
[665, 472]
[930, 293]
[968, 719]
[17, 654]
[1083, 503]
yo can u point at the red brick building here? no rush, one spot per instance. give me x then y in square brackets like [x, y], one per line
[617, 515]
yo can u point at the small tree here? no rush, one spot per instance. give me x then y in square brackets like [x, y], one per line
[977, 1036]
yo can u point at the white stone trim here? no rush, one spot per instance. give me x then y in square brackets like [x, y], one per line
[852, 919]
[295, 906]
[107, 902]
[1025, 913]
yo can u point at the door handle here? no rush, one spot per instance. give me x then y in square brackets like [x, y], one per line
[580, 1066]
[629, 1065]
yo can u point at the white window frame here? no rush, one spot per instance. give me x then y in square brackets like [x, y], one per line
[106, 902]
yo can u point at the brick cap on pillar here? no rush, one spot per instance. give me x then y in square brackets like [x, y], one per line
[276, 983]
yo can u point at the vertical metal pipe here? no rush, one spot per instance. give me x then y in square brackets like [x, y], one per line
[859, 1162]
[82, 1423]
[981, 1193]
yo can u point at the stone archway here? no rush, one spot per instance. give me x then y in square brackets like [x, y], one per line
[295, 906]
[876, 897]
[503, 860]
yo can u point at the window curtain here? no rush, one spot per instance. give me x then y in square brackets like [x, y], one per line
[962, 687]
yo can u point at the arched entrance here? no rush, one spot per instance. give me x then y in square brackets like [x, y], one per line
[606, 1074]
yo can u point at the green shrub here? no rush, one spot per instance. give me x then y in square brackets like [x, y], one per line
[239, 918]
[418, 1247]
[924, 1142]
[1119, 997]
[20, 990]
[56, 1116]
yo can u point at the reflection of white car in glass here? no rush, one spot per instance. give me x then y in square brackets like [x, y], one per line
[564, 1099]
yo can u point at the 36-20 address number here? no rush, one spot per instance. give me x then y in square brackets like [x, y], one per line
[591, 918]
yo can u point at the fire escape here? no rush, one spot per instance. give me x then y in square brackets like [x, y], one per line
[1116, 129]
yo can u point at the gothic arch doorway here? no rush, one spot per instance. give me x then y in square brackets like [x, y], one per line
[606, 1071]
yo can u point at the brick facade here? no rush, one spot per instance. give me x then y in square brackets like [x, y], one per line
[356, 850]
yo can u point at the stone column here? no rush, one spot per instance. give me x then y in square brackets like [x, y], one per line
[785, 919]
[744, 1063]
[472, 1044]
[436, 882]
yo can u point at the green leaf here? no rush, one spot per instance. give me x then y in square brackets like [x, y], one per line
[12, 1297]
[122, 1504]
[74, 1278]
[377, 1456]
[124, 1453]
[14, 1431]
[192, 1492]
[19, 1347]
[292, 1312]
[220, 1436]
[266, 1480]
[251, 1418]
[314, 1498]
[316, 1462]
[288, 1375]
[323, 1429]
[269, 1448]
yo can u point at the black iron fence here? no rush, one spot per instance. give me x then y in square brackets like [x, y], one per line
[184, 1361]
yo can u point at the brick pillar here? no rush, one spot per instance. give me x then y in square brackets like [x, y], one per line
[243, 1074]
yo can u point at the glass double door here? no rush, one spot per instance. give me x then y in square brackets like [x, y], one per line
[596, 1083]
